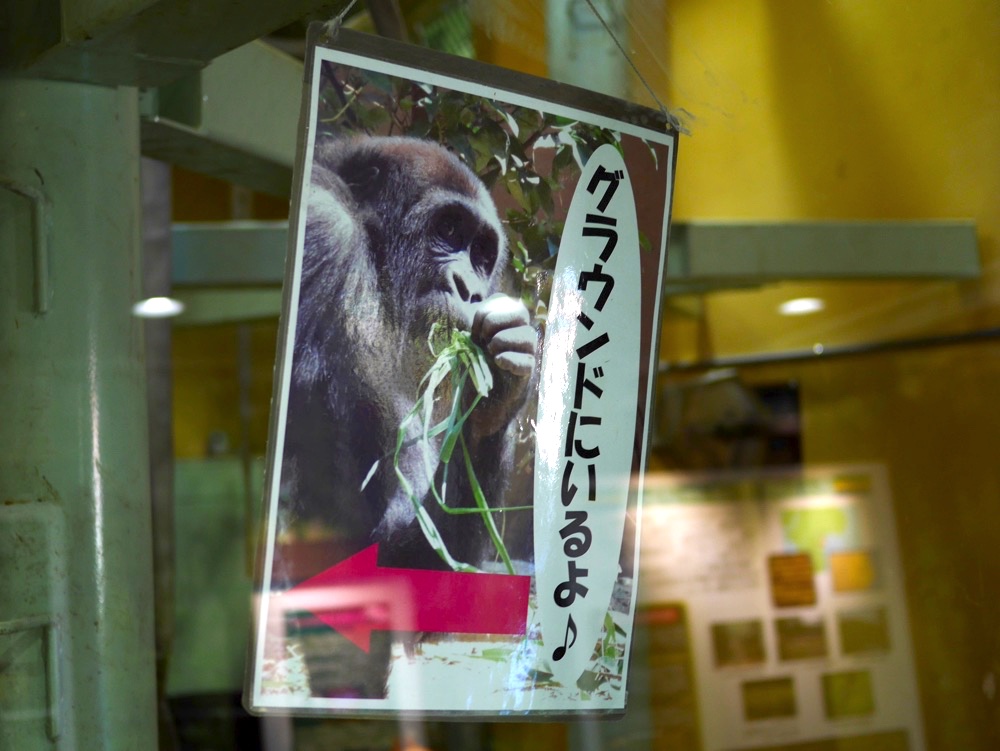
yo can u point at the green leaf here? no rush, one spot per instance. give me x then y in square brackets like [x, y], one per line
[491, 527]
[544, 192]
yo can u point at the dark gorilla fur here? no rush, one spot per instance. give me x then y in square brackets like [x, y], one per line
[399, 235]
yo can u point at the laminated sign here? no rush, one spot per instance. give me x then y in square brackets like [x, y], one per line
[467, 358]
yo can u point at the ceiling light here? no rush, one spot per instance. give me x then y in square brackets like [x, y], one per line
[158, 307]
[801, 306]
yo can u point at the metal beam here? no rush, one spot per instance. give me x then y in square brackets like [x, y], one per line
[136, 42]
[204, 307]
[819, 352]
[702, 256]
[227, 254]
[219, 122]
[727, 254]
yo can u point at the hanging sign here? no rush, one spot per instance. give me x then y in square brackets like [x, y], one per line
[467, 357]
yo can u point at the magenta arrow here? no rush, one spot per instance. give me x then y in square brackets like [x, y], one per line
[356, 597]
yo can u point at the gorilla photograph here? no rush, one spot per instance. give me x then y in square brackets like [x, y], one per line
[429, 223]
[402, 273]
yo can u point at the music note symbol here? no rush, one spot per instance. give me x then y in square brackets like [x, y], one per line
[560, 651]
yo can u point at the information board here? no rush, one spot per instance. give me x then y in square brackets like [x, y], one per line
[792, 586]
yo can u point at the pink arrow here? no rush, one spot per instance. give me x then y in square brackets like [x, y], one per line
[356, 597]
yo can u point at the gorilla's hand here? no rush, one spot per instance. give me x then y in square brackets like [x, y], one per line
[502, 327]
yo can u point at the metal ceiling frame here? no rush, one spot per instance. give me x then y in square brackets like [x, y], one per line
[213, 259]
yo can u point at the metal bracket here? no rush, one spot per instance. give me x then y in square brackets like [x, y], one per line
[217, 122]
[50, 634]
[40, 240]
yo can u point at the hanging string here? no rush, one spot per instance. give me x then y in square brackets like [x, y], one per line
[672, 119]
[332, 27]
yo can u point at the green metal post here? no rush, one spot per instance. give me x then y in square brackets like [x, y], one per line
[76, 607]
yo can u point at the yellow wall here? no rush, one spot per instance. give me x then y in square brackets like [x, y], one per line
[206, 386]
[511, 34]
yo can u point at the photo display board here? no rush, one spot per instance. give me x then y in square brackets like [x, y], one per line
[460, 422]
[792, 589]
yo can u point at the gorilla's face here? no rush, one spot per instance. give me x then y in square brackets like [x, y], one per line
[463, 246]
[432, 230]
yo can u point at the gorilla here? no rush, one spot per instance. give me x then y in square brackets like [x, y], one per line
[400, 235]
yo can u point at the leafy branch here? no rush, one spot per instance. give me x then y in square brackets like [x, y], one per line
[459, 363]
